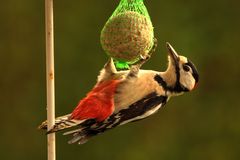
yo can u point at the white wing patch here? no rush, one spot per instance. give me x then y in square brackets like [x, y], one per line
[148, 113]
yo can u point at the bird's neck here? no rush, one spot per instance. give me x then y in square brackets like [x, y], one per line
[169, 80]
[169, 76]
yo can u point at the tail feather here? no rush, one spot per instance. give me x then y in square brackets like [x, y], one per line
[79, 135]
[82, 134]
[73, 131]
[61, 123]
[75, 139]
[79, 138]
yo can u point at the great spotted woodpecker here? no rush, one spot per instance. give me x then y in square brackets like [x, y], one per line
[120, 97]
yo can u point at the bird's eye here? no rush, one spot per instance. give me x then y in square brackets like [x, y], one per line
[186, 68]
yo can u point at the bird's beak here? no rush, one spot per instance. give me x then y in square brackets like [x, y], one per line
[172, 53]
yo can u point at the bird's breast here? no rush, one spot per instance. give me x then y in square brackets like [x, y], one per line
[132, 90]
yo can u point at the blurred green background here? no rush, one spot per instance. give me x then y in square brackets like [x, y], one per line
[204, 124]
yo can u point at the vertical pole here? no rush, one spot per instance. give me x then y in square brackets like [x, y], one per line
[50, 77]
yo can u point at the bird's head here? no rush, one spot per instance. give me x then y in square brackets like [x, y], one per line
[183, 73]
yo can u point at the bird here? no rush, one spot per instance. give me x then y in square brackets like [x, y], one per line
[120, 97]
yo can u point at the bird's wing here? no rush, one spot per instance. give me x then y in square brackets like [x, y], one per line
[98, 104]
[138, 110]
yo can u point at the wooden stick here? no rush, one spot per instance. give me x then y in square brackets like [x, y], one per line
[50, 77]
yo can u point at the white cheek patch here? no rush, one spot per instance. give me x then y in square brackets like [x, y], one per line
[187, 80]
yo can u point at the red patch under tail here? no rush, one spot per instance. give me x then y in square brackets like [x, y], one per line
[99, 102]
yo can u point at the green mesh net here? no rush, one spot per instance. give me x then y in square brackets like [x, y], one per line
[131, 5]
[128, 33]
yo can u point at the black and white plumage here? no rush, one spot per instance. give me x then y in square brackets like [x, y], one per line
[139, 94]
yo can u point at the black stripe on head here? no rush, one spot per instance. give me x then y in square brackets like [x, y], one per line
[194, 70]
[178, 88]
[174, 58]
[160, 81]
[177, 71]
